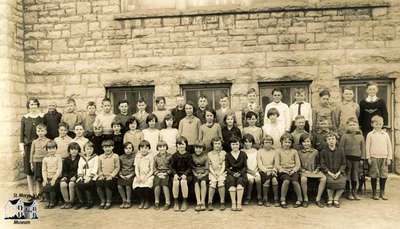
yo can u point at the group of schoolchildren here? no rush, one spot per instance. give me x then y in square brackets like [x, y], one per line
[208, 151]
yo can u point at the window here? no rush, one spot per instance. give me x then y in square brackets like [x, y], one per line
[213, 92]
[132, 94]
[384, 92]
[288, 90]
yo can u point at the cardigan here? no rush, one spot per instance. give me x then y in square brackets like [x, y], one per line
[287, 159]
[332, 160]
[309, 159]
[234, 165]
[127, 164]
[162, 163]
[70, 167]
[181, 164]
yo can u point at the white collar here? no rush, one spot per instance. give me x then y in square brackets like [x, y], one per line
[30, 115]
[371, 98]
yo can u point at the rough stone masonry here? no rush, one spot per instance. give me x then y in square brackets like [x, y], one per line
[58, 48]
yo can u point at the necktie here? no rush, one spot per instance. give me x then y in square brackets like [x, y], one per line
[299, 109]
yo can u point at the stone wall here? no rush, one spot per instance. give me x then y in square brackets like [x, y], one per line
[12, 87]
[78, 48]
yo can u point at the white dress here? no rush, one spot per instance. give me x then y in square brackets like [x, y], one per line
[275, 130]
[169, 136]
[143, 168]
[284, 114]
[252, 165]
[152, 135]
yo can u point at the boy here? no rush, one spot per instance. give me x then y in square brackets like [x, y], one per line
[123, 116]
[202, 107]
[71, 117]
[353, 146]
[300, 123]
[161, 112]
[223, 110]
[371, 106]
[347, 109]
[108, 170]
[38, 152]
[320, 134]
[63, 140]
[325, 110]
[106, 117]
[179, 111]
[252, 129]
[300, 107]
[51, 119]
[89, 118]
[51, 172]
[141, 114]
[284, 117]
[379, 155]
[253, 106]
[79, 138]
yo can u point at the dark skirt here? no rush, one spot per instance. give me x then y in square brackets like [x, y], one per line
[26, 160]
[125, 182]
[235, 181]
[293, 177]
[339, 183]
[197, 180]
[160, 181]
[265, 177]
[37, 171]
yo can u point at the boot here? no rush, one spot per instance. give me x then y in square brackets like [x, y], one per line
[265, 196]
[382, 183]
[184, 205]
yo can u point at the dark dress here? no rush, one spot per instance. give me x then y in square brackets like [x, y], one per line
[51, 120]
[227, 135]
[97, 140]
[70, 168]
[369, 110]
[178, 116]
[181, 164]
[236, 165]
[200, 165]
[118, 144]
[333, 161]
[28, 134]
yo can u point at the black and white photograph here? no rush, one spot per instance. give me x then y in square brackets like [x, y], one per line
[200, 114]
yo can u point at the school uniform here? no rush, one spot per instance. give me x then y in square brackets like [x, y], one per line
[228, 134]
[141, 117]
[284, 114]
[304, 109]
[378, 150]
[51, 120]
[28, 134]
[134, 137]
[162, 165]
[127, 167]
[333, 161]
[236, 165]
[207, 133]
[38, 152]
[369, 107]
[287, 160]
[143, 167]
[200, 167]
[216, 165]
[62, 146]
[169, 136]
[178, 115]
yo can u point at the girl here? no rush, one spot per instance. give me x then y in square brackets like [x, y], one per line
[169, 134]
[333, 164]
[253, 176]
[152, 134]
[144, 173]
[189, 127]
[229, 130]
[133, 135]
[236, 167]
[272, 127]
[217, 173]
[79, 138]
[252, 129]
[87, 175]
[162, 171]
[209, 130]
[118, 138]
[51, 171]
[287, 163]
[309, 158]
[126, 174]
[69, 174]
[284, 118]
[268, 173]
[181, 170]
[200, 174]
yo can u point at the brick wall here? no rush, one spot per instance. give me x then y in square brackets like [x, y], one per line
[78, 48]
[12, 87]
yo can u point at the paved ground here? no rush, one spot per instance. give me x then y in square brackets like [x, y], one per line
[361, 214]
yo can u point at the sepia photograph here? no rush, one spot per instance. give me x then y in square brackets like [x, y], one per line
[200, 114]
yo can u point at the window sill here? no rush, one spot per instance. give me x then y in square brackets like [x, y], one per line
[273, 6]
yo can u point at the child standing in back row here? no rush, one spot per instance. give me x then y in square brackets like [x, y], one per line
[189, 127]
[252, 129]
[71, 117]
[209, 130]
[134, 135]
[169, 134]
[325, 111]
